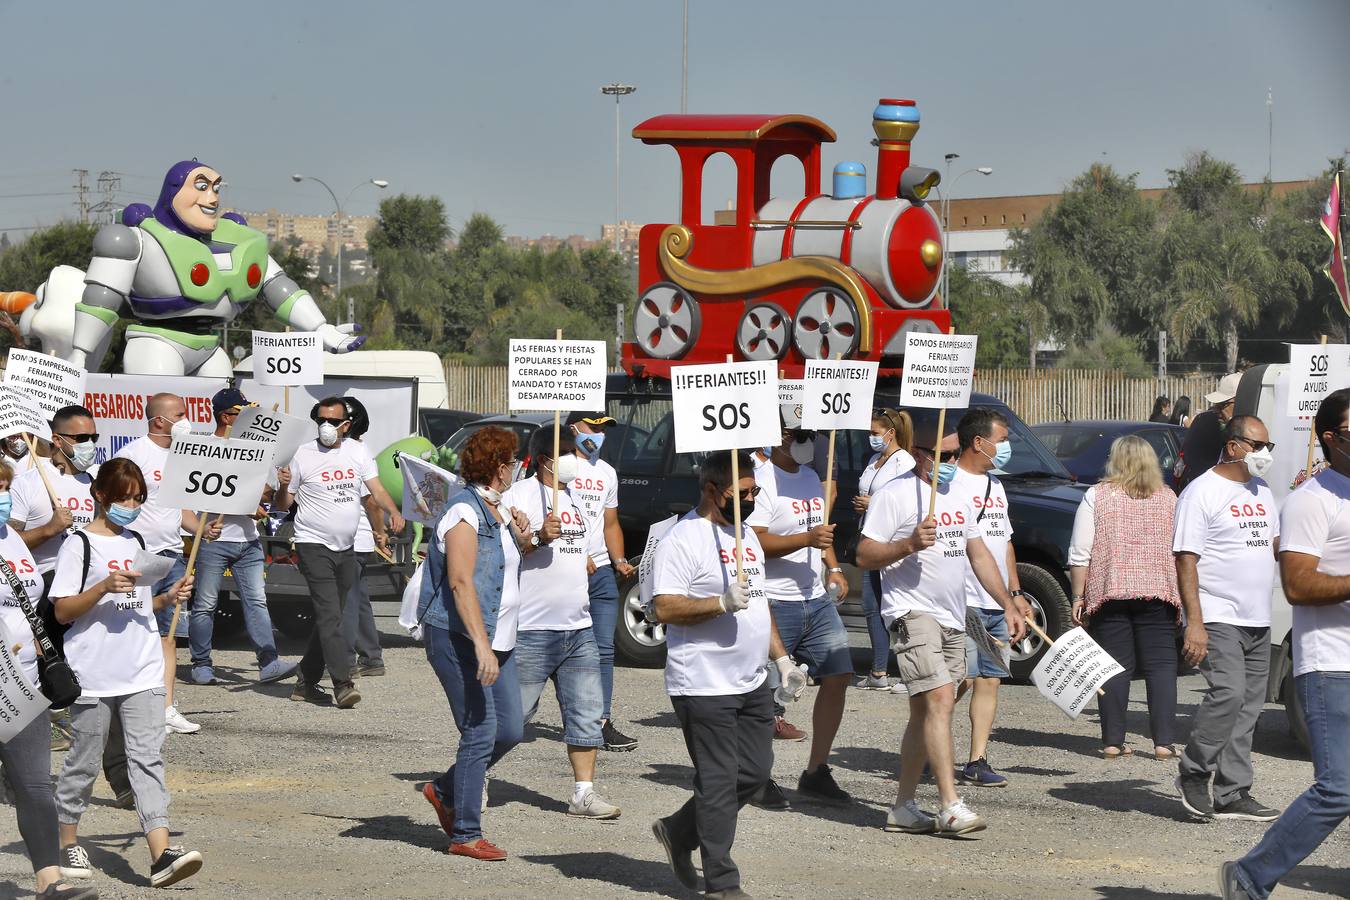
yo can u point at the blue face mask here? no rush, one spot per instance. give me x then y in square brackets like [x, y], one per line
[946, 472]
[1002, 453]
[6, 504]
[590, 443]
[121, 515]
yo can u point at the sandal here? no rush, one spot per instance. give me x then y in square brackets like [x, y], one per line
[1114, 752]
[1164, 753]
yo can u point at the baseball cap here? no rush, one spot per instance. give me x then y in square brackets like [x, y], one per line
[1227, 390]
[791, 414]
[227, 399]
[593, 419]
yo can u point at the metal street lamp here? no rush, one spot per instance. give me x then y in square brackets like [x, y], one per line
[948, 189]
[617, 91]
[379, 183]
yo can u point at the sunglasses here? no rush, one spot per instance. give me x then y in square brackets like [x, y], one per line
[80, 438]
[1257, 446]
[748, 494]
[336, 423]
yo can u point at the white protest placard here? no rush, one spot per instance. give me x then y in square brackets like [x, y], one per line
[791, 391]
[19, 414]
[207, 474]
[1315, 370]
[152, 567]
[838, 394]
[51, 383]
[20, 701]
[939, 369]
[1072, 670]
[557, 375]
[647, 564]
[725, 406]
[287, 433]
[287, 358]
[986, 643]
[427, 489]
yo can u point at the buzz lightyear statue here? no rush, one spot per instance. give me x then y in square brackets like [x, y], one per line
[181, 270]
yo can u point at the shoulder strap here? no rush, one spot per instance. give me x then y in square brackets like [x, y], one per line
[45, 646]
[137, 535]
[84, 569]
[988, 489]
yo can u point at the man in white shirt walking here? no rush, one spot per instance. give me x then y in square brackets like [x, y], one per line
[1315, 571]
[1226, 539]
[74, 449]
[922, 553]
[719, 639]
[324, 479]
[554, 638]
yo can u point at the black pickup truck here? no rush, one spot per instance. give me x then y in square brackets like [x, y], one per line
[655, 481]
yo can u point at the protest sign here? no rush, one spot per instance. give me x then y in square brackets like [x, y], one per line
[19, 415]
[647, 564]
[426, 489]
[986, 643]
[1315, 370]
[287, 358]
[556, 375]
[390, 402]
[287, 433]
[20, 701]
[51, 383]
[152, 567]
[1072, 670]
[791, 391]
[939, 370]
[119, 404]
[725, 406]
[207, 474]
[838, 394]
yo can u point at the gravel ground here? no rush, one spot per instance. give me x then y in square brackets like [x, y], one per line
[288, 800]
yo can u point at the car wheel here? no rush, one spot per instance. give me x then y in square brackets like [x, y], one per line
[1051, 608]
[1293, 710]
[637, 641]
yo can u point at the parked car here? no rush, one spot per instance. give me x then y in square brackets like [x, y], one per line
[655, 481]
[437, 425]
[1082, 445]
[523, 424]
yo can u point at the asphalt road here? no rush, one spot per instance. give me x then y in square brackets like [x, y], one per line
[287, 800]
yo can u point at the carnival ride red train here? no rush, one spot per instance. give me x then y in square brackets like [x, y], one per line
[817, 276]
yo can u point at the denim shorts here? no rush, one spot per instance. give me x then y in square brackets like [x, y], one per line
[572, 660]
[977, 664]
[814, 634]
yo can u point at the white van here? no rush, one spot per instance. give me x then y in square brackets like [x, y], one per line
[423, 365]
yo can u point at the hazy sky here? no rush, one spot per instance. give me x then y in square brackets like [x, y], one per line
[496, 106]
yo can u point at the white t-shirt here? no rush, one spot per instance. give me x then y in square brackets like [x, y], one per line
[1232, 527]
[871, 479]
[114, 648]
[932, 581]
[160, 528]
[596, 489]
[728, 654]
[553, 577]
[33, 507]
[1316, 521]
[508, 610]
[21, 561]
[790, 503]
[327, 484]
[995, 530]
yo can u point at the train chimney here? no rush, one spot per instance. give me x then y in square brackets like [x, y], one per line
[895, 123]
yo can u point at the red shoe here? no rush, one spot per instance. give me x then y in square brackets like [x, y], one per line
[479, 849]
[783, 730]
[447, 820]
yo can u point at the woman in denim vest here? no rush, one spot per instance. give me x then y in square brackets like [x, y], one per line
[469, 604]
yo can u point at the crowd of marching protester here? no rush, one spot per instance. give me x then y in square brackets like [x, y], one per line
[519, 588]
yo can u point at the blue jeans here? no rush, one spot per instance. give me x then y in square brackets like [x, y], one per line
[572, 660]
[489, 722]
[604, 619]
[876, 628]
[164, 617]
[1316, 813]
[245, 562]
[977, 664]
[813, 633]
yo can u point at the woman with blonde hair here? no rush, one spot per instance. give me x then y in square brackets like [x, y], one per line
[1125, 589]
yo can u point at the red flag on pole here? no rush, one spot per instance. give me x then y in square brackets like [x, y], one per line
[1331, 224]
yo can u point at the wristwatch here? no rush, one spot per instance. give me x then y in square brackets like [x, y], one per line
[835, 569]
[534, 539]
[622, 561]
[1017, 593]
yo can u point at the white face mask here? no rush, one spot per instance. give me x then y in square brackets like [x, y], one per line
[490, 494]
[566, 468]
[802, 452]
[877, 442]
[181, 428]
[1259, 462]
[82, 456]
[328, 434]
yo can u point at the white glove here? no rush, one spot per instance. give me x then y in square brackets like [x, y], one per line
[340, 338]
[736, 598]
[792, 680]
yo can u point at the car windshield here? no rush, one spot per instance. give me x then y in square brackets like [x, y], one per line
[1030, 458]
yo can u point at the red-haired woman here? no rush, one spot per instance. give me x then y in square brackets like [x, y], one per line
[113, 646]
[469, 607]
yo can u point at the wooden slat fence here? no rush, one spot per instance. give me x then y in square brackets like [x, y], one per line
[1041, 396]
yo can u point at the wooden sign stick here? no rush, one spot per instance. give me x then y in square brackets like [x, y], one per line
[557, 438]
[937, 447]
[736, 507]
[32, 452]
[191, 567]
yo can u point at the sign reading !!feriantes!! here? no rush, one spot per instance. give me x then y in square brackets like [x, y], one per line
[838, 394]
[287, 359]
[52, 383]
[725, 406]
[939, 369]
[557, 375]
[207, 474]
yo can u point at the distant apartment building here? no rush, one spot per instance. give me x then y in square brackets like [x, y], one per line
[316, 233]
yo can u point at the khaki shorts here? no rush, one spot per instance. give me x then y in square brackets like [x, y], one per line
[928, 654]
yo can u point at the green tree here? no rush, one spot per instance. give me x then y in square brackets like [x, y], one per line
[1108, 350]
[412, 301]
[993, 310]
[25, 265]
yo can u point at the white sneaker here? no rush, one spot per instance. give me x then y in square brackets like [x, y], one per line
[174, 723]
[907, 817]
[898, 687]
[958, 819]
[592, 806]
[872, 682]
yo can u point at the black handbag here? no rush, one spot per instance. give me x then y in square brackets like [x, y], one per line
[56, 678]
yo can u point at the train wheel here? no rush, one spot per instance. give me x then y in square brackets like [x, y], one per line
[826, 325]
[666, 321]
[764, 332]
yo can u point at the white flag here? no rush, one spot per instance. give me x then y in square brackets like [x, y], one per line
[426, 489]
